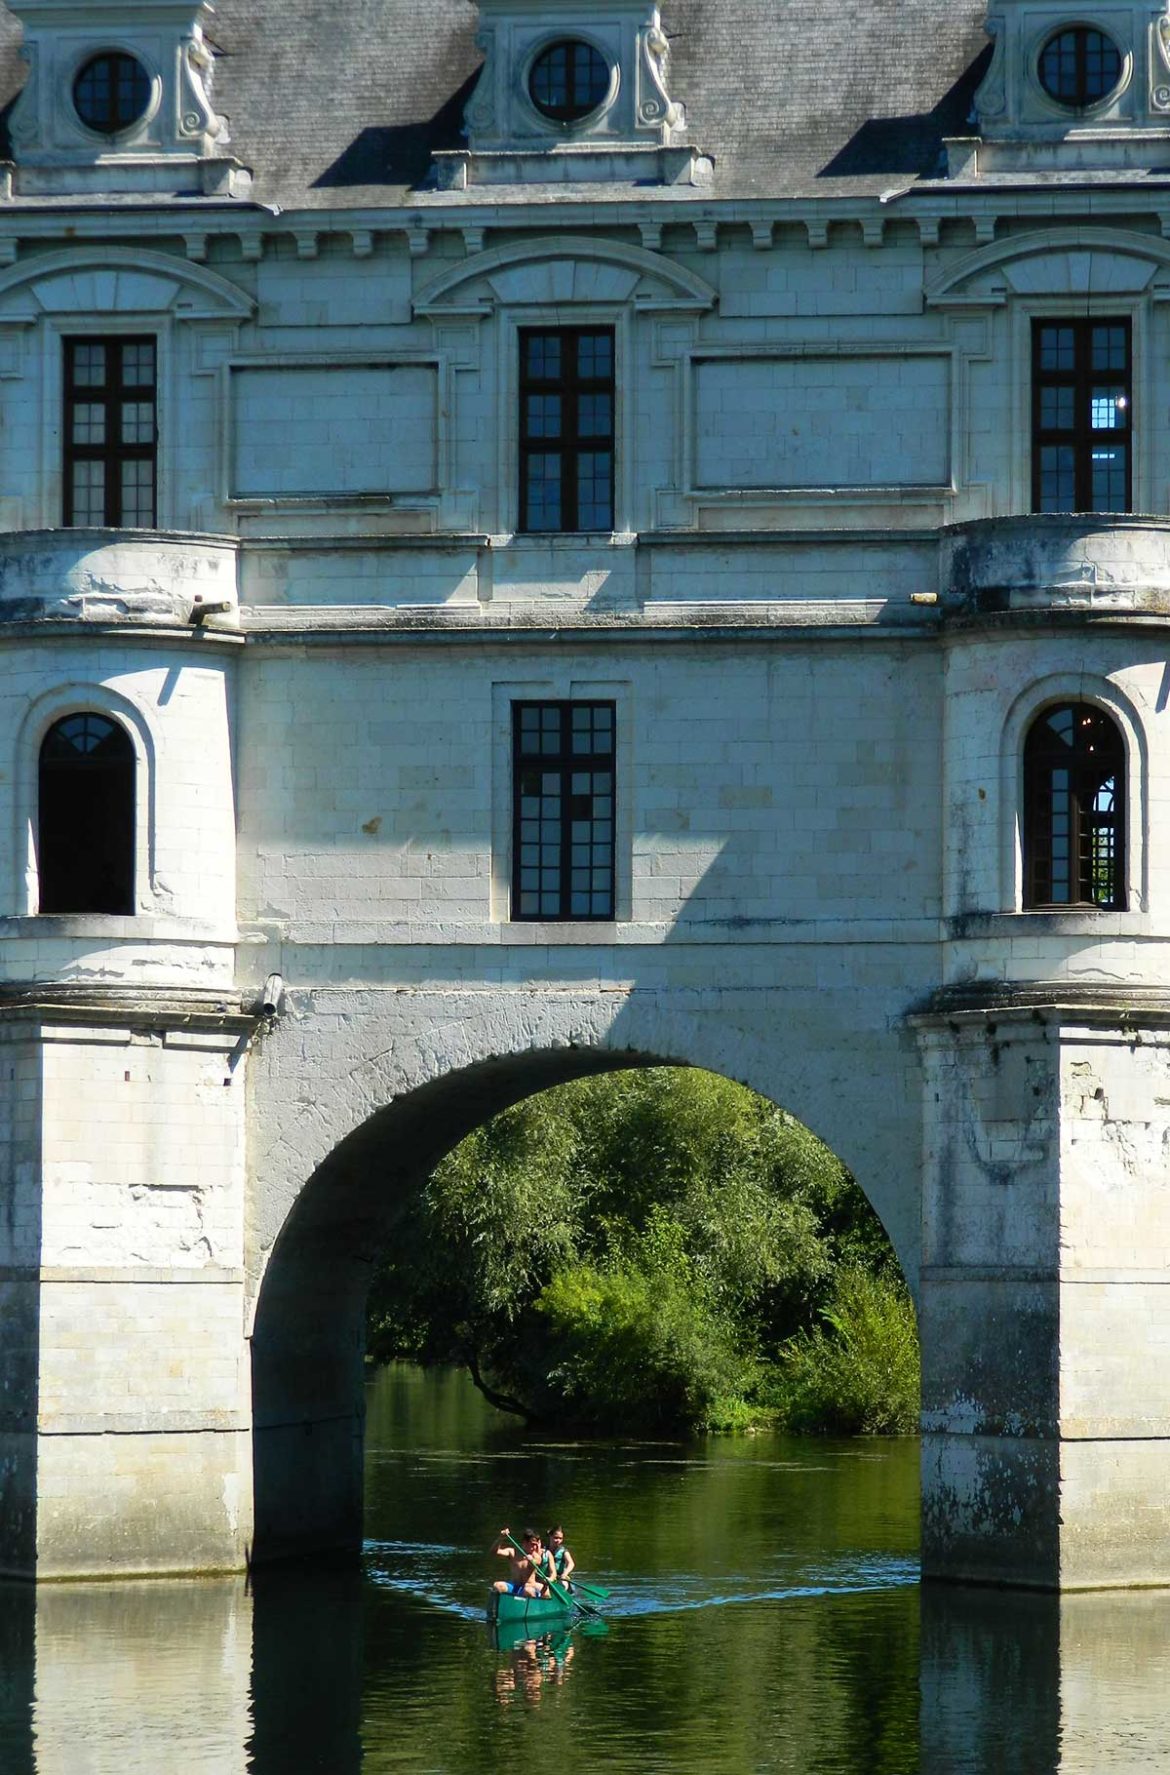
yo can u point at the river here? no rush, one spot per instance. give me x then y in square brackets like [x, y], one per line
[765, 1616]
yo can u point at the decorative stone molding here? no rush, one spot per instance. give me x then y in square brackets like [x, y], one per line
[1073, 262]
[140, 578]
[125, 1007]
[1052, 562]
[1022, 127]
[98, 279]
[176, 143]
[636, 130]
[562, 268]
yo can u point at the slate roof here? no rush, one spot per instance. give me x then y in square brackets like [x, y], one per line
[341, 104]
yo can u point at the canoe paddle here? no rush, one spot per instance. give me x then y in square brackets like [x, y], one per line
[562, 1595]
[590, 1590]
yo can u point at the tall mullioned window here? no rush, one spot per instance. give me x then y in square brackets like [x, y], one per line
[111, 432]
[1082, 417]
[1074, 809]
[563, 810]
[566, 428]
[86, 816]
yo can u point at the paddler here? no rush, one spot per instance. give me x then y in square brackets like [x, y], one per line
[560, 1561]
[526, 1568]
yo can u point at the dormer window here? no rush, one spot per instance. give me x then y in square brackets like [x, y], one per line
[569, 80]
[1079, 67]
[119, 103]
[570, 89]
[111, 93]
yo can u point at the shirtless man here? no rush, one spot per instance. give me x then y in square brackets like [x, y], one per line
[526, 1577]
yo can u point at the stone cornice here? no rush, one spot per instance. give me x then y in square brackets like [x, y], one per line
[1107, 1006]
[942, 214]
[137, 1007]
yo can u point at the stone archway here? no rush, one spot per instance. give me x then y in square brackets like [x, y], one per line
[307, 1335]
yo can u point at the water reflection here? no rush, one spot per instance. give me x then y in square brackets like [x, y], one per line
[764, 1618]
[129, 1677]
[530, 1665]
[1015, 1682]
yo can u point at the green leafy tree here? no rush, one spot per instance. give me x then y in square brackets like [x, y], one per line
[659, 1248]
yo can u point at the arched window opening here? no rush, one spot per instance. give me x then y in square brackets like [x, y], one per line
[1074, 809]
[85, 824]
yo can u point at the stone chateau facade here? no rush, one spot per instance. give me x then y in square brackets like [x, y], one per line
[539, 538]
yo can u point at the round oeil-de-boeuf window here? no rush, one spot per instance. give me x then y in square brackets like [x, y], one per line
[111, 92]
[1079, 67]
[568, 80]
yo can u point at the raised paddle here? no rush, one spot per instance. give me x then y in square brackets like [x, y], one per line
[589, 1589]
[558, 1590]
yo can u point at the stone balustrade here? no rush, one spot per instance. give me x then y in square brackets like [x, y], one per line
[148, 578]
[1085, 562]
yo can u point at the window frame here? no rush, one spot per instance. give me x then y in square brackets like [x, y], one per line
[128, 792]
[1081, 436]
[1082, 102]
[569, 387]
[118, 125]
[565, 761]
[567, 115]
[82, 697]
[112, 453]
[1036, 836]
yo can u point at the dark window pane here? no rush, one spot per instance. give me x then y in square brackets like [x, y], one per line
[594, 480]
[595, 357]
[1074, 796]
[110, 432]
[1057, 478]
[86, 817]
[567, 430]
[568, 80]
[1057, 409]
[543, 415]
[111, 92]
[543, 356]
[88, 493]
[1057, 348]
[1110, 479]
[563, 860]
[1079, 66]
[1110, 348]
[1082, 406]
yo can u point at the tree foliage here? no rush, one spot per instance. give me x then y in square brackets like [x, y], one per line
[656, 1250]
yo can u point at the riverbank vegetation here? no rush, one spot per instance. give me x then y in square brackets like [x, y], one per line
[654, 1251]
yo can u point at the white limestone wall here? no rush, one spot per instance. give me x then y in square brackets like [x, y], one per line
[1046, 1407]
[770, 784]
[316, 385]
[994, 688]
[333, 381]
[175, 702]
[142, 1387]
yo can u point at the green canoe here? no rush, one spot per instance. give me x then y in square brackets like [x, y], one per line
[539, 1612]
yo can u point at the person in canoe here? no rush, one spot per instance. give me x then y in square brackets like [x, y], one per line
[527, 1569]
[558, 1558]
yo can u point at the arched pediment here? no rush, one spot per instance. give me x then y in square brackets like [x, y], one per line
[1073, 262]
[117, 280]
[562, 268]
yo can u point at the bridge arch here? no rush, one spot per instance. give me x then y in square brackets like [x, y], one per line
[384, 1112]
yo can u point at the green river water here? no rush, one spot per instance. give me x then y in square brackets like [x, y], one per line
[766, 1615]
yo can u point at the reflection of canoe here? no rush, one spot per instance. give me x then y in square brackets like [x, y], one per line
[537, 1612]
[554, 1636]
